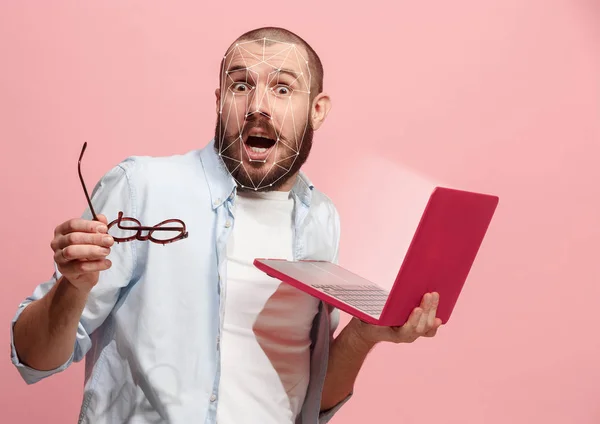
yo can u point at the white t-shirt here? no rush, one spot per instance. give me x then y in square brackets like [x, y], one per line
[265, 344]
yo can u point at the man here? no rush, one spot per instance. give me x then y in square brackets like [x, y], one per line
[189, 331]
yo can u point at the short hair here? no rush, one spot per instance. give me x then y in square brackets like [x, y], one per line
[276, 34]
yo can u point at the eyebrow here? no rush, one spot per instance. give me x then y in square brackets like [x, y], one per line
[294, 74]
[238, 68]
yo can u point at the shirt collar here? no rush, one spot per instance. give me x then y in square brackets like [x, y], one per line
[220, 182]
[222, 185]
[303, 189]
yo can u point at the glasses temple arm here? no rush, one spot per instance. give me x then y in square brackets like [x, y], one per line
[87, 196]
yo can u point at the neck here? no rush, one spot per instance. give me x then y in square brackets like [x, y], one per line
[286, 186]
[289, 183]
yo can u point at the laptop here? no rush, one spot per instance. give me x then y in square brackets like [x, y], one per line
[438, 259]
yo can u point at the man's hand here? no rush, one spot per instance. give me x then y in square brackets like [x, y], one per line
[80, 249]
[422, 322]
[45, 333]
[351, 347]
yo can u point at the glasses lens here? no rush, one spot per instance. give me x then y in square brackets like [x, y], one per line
[124, 230]
[167, 231]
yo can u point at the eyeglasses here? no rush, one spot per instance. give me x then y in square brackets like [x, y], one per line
[165, 235]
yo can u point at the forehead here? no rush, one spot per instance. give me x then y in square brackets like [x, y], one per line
[264, 56]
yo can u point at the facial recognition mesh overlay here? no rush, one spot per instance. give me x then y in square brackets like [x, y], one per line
[263, 129]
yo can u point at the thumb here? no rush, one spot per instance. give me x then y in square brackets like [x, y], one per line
[102, 219]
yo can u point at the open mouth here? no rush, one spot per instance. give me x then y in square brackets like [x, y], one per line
[258, 146]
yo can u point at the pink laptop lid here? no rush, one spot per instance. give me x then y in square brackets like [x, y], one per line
[441, 253]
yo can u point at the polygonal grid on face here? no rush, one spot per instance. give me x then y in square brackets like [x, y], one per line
[286, 148]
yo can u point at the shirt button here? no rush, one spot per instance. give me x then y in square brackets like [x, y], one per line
[213, 398]
[228, 224]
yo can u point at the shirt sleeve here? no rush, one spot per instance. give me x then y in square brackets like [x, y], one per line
[334, 320]
[326, 416]
[112, 194]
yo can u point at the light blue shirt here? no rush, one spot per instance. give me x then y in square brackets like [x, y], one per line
[150, 329]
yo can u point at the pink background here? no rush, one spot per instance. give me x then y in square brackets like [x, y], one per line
[498, 95]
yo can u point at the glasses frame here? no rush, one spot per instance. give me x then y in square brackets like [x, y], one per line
[139, 228]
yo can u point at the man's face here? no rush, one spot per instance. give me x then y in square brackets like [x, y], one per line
[263, 131]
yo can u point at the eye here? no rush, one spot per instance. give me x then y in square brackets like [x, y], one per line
[240, 87]
[282, 90]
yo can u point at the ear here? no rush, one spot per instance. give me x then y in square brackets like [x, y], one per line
[218, 96]
[321, 106]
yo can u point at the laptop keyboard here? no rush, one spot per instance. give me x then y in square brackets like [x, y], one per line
[369, 299]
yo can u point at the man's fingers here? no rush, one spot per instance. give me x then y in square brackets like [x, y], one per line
[431, 332]
[414, 319]
[436, 325]
[98, 239]
[81, 225]
[423, 320]
[435, 301]
[399, 333]
[81, 247]
[80, 267]
[80, 252]
[422, 325]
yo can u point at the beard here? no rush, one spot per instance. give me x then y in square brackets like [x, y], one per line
[259, 176]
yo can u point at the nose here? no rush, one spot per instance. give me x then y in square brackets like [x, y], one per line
[258, 102]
